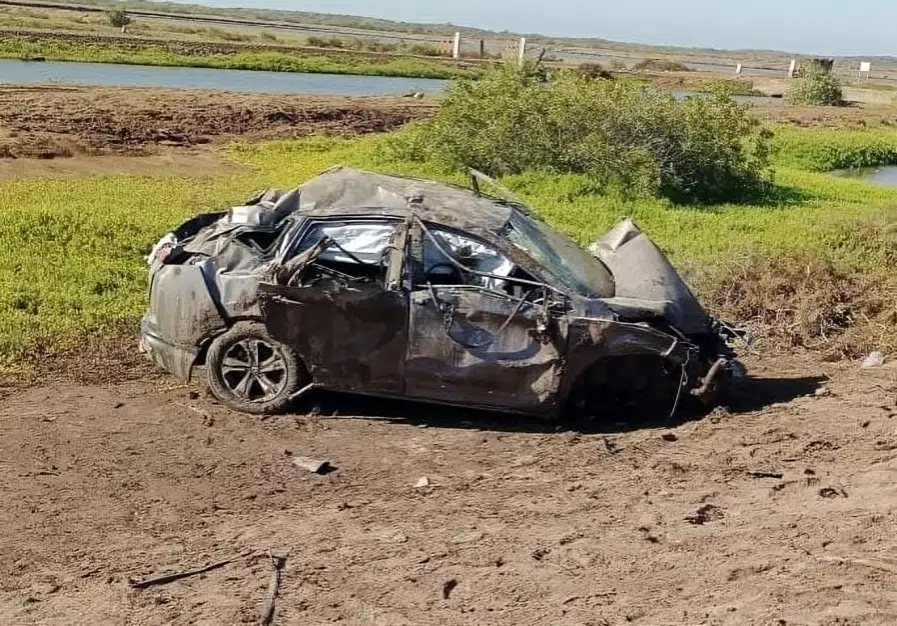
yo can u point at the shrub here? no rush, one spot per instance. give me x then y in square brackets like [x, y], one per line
[266, 36]
[816, 86]
[226, 35]
[118, 18]
[424, 50]
[320, 42]
[638, 140]
[593, 71]
[378, 46]
[802, 301]
[660, 65]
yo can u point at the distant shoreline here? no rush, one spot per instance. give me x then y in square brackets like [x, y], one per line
[62, 46]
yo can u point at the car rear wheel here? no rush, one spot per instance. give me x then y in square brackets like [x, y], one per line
[251, 372]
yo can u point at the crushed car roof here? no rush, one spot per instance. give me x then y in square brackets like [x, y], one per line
[346, 191]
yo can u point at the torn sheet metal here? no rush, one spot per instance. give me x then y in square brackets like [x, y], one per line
[482, 349]
[642, 272]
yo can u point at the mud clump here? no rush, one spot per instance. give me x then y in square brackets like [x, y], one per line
[706, 514]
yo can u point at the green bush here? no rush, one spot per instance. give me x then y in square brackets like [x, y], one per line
[816, 87]
[658, 65]
[118, 18]
[320, 42]
[424, 50]
[593, 71]
[624, 136]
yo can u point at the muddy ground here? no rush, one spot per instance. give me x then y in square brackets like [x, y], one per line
[779, 511]
[48, 122]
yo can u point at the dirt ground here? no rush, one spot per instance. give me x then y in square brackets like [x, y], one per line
[778, 511]
[48, 122]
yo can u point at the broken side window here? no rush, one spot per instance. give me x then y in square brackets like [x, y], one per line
[466, 251]
[260, 241]
[359, 249]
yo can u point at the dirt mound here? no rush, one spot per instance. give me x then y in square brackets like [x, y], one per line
[60, 122]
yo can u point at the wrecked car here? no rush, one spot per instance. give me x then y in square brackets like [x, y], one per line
[397, 287]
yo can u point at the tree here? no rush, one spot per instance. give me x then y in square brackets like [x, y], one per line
[817, 85]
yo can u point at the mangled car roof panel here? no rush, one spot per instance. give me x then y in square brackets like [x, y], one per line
[342, 191]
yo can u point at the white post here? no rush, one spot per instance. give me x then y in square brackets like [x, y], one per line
[456, 48]
[792, 68]
[738, 69]
[522, 53]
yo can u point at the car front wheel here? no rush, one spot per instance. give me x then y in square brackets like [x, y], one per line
[251, 372]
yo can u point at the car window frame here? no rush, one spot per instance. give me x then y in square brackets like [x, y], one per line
[291, 242]
[538, 281]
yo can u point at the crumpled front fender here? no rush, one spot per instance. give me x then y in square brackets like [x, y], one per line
[591, 340]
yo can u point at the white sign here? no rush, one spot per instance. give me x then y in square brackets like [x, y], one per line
[738, 69]
[792, 68]
[456, 46]
[866, 67]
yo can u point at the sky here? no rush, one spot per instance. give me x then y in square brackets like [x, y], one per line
[859, 27]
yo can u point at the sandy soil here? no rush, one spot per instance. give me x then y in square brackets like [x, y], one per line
[780, 511]
[47, 122]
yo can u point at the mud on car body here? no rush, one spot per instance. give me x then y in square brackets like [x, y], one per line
[389, 286]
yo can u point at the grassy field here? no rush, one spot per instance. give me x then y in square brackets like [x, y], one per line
[71, 260]
[287, 61]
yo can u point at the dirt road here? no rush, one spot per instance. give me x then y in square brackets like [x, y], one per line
[778, 512]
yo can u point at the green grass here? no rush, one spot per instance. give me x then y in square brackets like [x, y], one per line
[824, 150]
[57, 50]
[71, 251]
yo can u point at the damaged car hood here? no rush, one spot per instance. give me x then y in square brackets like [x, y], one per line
[646, 281]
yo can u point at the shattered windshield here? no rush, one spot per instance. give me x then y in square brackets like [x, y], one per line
[572, 266]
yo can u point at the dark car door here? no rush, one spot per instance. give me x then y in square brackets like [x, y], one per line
[347, 320]
[489, 343]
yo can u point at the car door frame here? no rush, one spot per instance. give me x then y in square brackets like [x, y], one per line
[289, 310]
[518, 376]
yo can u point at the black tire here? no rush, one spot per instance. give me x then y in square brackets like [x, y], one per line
[241, 381]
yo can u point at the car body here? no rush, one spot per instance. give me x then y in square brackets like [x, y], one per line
[390, 286]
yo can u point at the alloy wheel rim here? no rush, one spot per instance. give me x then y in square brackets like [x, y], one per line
[254, 370]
